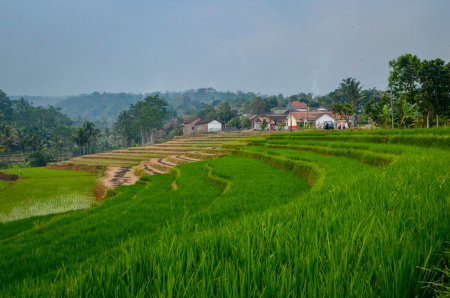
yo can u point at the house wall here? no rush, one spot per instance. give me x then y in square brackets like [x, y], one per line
[324, 118]
[201, 127]
[214, 126]
[190, 127]
[291, 122]
[256, 125]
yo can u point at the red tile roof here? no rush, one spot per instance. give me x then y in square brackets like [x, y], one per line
[299, 105]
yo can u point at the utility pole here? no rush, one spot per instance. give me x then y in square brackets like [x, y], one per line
[307, 114]
[290, 114]
[392, 106]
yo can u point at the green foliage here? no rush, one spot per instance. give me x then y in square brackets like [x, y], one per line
[97, 105]
[246, 123]
[40, 159]
[258, 106]
[351, 91]
[264, 124]
[142, 119]
[346, 110]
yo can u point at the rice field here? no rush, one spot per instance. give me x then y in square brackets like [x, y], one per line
[304, 214]
[44, 191]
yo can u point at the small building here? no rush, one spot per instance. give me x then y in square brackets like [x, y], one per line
[323, 108]
[275, 120]
[297, 106]
[189, 125]
[208, 125]
[297, 120]
[325, 118]
[256, 122]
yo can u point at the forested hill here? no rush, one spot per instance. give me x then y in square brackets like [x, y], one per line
[43, 101]
[98, 105]
[108, 105]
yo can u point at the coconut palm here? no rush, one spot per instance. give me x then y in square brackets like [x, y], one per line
[351, 90]
[80, 139]
[33, 140]
[8, 136]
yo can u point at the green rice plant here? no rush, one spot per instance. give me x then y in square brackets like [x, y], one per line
[359, 231]
[215, 179]
[367, 157]
[40, 185]
[60, 204]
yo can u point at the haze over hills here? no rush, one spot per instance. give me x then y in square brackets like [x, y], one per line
[108, 105]
[98, 105]
[40, 100]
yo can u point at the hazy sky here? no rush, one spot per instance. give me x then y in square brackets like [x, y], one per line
[54, 47]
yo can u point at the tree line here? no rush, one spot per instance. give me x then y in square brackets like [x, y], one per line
[46, 134]
[418, 94]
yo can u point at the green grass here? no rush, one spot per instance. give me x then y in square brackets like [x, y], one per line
[143, 210]
[43, 191]
[300, 215]
[4, 183]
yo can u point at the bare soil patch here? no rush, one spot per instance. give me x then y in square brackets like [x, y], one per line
[117, 176]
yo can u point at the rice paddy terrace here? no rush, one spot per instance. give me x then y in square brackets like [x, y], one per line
[304, 214]
[124, 167]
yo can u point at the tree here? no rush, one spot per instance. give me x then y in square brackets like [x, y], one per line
[258, 106]
[406, 112]
[5, 106]
[387, 115]
[232, 123]
[264, 124]
[246, 123]
[344, 109]
[124, 126]
[281, 101]
[375, 110]
[404, 77]
[149, 115]
[246, 107]
[434, 76]
[224, 112]
[80, 139]
[8, 137]
[351, 91]
[210, 112]
[91, 134]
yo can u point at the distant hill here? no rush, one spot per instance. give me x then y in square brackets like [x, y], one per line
[40, 100]
[98, 105]
[108, 105]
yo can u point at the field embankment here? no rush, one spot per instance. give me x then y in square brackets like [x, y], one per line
[311, 214]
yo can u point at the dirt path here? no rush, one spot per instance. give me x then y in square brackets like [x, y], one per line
[117, 176]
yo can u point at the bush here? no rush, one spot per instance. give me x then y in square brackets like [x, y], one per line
[40, 159]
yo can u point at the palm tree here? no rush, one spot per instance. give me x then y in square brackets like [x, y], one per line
[80, 139]
[351, 91]
[91, 133]
[8, 138]
[21, 139]
[32, 139]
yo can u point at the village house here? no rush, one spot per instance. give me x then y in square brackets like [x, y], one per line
[275, 120]
[256, 122]
[189, 125]
[297, 106]
[208, 125]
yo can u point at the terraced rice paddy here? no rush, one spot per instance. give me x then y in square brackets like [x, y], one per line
[307, 214]
[156, 159]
